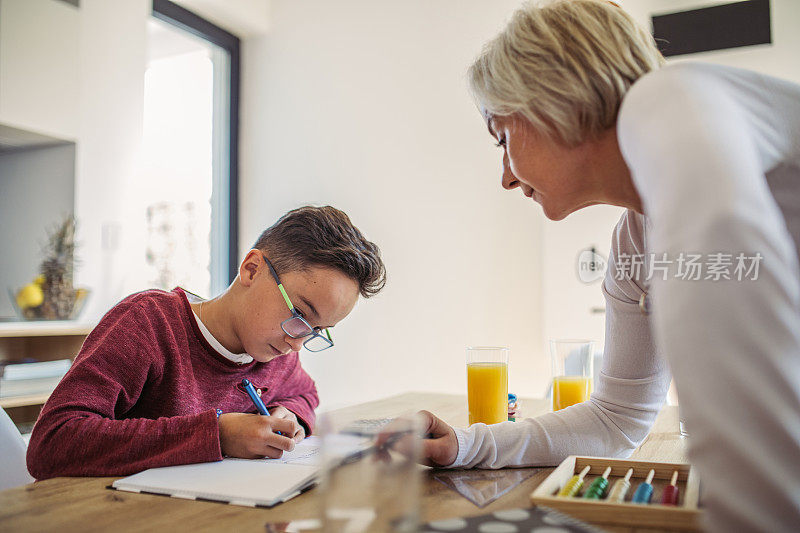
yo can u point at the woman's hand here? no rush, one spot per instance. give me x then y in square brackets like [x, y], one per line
[439, 445]
[282, 412]
[251, 436]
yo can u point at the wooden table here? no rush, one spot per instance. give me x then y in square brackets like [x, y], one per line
[85, 504]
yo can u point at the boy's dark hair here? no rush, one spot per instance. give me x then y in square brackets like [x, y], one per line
[323, 237]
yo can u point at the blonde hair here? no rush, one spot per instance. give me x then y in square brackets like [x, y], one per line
[565, 67]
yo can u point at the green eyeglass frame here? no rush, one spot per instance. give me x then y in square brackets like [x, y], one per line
[298, 327]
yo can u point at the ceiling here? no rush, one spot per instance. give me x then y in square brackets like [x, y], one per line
[243, 18]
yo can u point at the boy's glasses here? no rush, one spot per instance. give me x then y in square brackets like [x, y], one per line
[296, 326]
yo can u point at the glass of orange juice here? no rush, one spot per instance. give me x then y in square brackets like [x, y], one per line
[487, 384]
[573, 367]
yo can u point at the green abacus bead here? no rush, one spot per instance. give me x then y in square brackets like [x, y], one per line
[597, 489]
[592, 494]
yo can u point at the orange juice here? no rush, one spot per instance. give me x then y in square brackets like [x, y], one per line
[569, 390]
[487, 392]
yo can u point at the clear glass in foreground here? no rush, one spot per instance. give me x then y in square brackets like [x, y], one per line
[377, 489]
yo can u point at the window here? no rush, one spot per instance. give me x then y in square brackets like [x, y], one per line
[189, 189]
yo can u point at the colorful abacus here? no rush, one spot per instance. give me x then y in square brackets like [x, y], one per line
[624, 492]
[598, 489]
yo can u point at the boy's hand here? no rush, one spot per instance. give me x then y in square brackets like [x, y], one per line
[251, 436]
[439, 445]
[282, 412]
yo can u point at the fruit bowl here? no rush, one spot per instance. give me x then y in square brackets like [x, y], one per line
[32, 305]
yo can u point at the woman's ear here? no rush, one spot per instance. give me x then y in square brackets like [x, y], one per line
[249, 267]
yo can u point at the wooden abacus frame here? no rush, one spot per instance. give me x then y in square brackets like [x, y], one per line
[686, 515]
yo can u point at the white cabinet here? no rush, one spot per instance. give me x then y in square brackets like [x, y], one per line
[40, 66]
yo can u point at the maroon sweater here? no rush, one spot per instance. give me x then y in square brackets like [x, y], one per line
[144, 390]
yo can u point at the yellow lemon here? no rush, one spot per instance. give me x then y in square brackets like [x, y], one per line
[30, 295]
[39, 280]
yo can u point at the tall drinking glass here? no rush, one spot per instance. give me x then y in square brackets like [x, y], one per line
[572, 363]
[375, 489]
[487, 384]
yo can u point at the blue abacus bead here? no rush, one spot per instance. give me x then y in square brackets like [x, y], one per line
[643, 493]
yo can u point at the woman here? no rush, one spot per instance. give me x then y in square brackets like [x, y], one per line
[706, 159]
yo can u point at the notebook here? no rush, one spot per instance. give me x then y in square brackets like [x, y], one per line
[248, 482]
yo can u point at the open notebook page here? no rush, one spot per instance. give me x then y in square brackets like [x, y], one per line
[238, 481]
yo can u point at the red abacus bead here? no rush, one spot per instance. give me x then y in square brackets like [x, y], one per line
[670, 495]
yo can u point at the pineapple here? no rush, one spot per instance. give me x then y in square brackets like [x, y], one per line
[57, 269]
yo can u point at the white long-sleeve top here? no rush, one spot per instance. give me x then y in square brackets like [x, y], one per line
[714, 153]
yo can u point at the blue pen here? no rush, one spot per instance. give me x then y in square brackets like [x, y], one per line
[251, 391]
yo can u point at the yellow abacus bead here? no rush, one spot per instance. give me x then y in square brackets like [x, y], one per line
[572, 487]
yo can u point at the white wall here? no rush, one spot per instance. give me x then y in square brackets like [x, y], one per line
[244, 18]
[113, 53]
[77, 73]
[39, 66]
[567, 301]
[571, 308]
[363, 105]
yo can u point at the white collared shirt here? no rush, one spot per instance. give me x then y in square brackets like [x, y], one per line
[238, 358]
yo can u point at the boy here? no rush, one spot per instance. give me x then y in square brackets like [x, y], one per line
[158, 381]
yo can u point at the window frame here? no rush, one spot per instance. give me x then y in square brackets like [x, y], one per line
[184, 19]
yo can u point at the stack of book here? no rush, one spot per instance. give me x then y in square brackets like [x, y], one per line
[23, 379]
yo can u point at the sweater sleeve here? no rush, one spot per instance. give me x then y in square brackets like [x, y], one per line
[82, 429]
[630, 390]
[298, 394]
[733, 344]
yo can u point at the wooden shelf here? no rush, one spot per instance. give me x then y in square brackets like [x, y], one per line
[45, 328]
[41, 340]
[21, 401]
